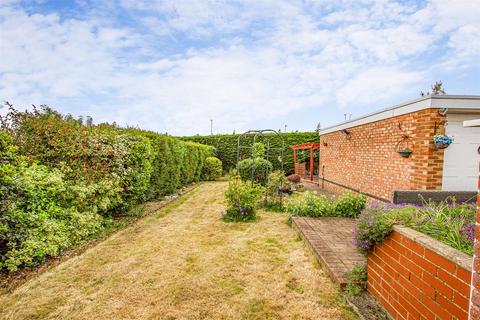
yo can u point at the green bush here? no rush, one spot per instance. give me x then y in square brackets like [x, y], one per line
[62, 180]
[212, 169]
[309, 204]
[312, 205]
[226, 147]
[350, 204]
[262, 169]
[38, 220]
[242, 199]
[453, 225]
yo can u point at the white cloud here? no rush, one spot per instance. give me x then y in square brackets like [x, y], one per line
[240, 63]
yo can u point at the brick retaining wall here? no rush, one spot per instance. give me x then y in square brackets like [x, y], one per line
[417, 277]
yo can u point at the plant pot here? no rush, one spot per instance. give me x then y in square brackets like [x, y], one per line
[405, 152]
[440, 145]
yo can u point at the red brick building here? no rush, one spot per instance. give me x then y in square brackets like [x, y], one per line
[367, 154]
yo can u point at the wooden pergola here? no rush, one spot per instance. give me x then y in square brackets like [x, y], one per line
[305, 146]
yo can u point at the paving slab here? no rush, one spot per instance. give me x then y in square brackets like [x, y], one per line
[331, 240]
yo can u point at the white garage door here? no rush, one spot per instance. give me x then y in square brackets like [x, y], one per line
[460, 166]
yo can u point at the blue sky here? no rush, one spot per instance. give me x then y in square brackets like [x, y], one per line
[171, 66]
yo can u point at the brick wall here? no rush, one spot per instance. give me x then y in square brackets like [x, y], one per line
[417, 277]
[366, 159]
[475, 294]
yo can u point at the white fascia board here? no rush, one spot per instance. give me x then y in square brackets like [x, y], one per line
[472, 123]
[451, 102]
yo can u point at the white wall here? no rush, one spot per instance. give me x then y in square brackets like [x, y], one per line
[460, 166]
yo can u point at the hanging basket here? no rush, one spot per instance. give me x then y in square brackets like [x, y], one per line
[405, 152]
[402, 147]
[442, 141]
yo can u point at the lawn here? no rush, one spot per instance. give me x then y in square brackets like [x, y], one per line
[183, 262]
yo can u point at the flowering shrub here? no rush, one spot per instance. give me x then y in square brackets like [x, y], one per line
[212, 169]
[450, 224]
[311, 205]
[242, 199]
[372, 226]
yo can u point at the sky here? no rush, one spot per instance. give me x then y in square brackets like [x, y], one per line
[172, 66]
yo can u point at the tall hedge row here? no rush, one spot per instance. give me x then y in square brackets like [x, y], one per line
[226, 147]
[61, 180]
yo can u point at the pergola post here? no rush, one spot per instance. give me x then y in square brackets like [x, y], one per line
[311, 163]
[295, 161]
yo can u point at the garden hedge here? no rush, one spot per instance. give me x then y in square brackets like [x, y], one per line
[62, 180]
[226, 147]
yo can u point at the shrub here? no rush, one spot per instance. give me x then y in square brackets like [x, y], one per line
[350, 204]
[309, 204]
[450, 224]
[242, 199]
[312, 205]
[212, 169]
[41, 222]
[294, 178]
[262, 169]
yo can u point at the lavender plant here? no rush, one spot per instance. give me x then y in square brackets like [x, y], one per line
[452, 224]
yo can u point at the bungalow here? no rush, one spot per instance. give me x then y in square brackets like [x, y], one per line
[394, 149]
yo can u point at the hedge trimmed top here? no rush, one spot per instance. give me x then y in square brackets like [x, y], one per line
[226, 147]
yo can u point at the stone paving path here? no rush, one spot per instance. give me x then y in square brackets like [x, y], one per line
[330, 239]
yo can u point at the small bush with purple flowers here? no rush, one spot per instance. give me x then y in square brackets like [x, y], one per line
[242, 199]
[452, 224]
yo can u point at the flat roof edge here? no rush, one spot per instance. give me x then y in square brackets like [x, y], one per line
[406, 107]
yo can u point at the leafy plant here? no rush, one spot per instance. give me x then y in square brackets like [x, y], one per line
[261, 170]
[312, 205]
[357, 279]
[309, 204]
[350, 204]
[212, 168]
[242, 199]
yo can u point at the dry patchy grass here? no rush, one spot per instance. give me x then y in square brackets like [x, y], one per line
[185, 263]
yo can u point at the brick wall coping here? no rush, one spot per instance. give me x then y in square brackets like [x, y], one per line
[452, 102]
[461, 259]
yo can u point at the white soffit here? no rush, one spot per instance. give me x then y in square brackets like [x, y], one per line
[454, 104]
